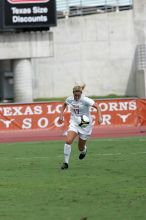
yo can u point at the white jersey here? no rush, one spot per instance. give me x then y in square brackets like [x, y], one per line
[78, 108]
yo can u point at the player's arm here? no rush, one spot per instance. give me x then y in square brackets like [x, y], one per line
[63, 107]
[98, 112]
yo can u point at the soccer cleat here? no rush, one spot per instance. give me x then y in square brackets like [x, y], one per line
[64, 166]
[82, 155]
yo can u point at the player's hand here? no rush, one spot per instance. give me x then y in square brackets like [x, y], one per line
[100, 120]
[60, 120]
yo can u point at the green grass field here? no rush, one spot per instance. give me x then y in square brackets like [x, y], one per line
[110, 184]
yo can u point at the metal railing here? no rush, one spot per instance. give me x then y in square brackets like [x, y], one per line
[69, 8]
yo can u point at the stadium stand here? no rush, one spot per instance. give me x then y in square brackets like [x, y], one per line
[70, 8]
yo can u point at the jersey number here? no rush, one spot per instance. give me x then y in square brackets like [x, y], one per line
[76, 110]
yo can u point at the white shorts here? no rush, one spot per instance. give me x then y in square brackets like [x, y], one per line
[84, 133]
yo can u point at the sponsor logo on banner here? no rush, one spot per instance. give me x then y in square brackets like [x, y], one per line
[26, 1]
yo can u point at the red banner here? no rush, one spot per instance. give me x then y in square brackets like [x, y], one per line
[116, 112]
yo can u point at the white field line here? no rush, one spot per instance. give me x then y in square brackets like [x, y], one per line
[139, 153]
[28, 158]
[118, 139]
[59, 156]
[110, 154]
[118, 154]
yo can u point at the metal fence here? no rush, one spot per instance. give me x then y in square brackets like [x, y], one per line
[69, 8]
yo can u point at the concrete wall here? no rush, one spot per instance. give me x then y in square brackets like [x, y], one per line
[141, 83]
[98, 50]
[139, 18]
[16, 51]
[26, 45]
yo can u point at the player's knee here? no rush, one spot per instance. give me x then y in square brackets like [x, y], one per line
[69, 141]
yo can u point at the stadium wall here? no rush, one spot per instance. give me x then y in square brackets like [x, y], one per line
[98, 50]
[16, 52]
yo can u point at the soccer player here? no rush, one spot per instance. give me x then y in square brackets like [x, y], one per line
[79, 106]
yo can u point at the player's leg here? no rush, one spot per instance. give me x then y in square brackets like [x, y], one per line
[84, 134]
[71, 135]
[82, 146]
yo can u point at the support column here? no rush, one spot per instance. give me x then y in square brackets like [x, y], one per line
[23, 91]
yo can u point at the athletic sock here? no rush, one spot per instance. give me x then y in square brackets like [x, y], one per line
[67, 152]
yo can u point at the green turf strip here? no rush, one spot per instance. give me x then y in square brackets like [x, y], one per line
[110, 184]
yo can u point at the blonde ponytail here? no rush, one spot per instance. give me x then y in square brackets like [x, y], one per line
[79, 88]
[83, 86]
